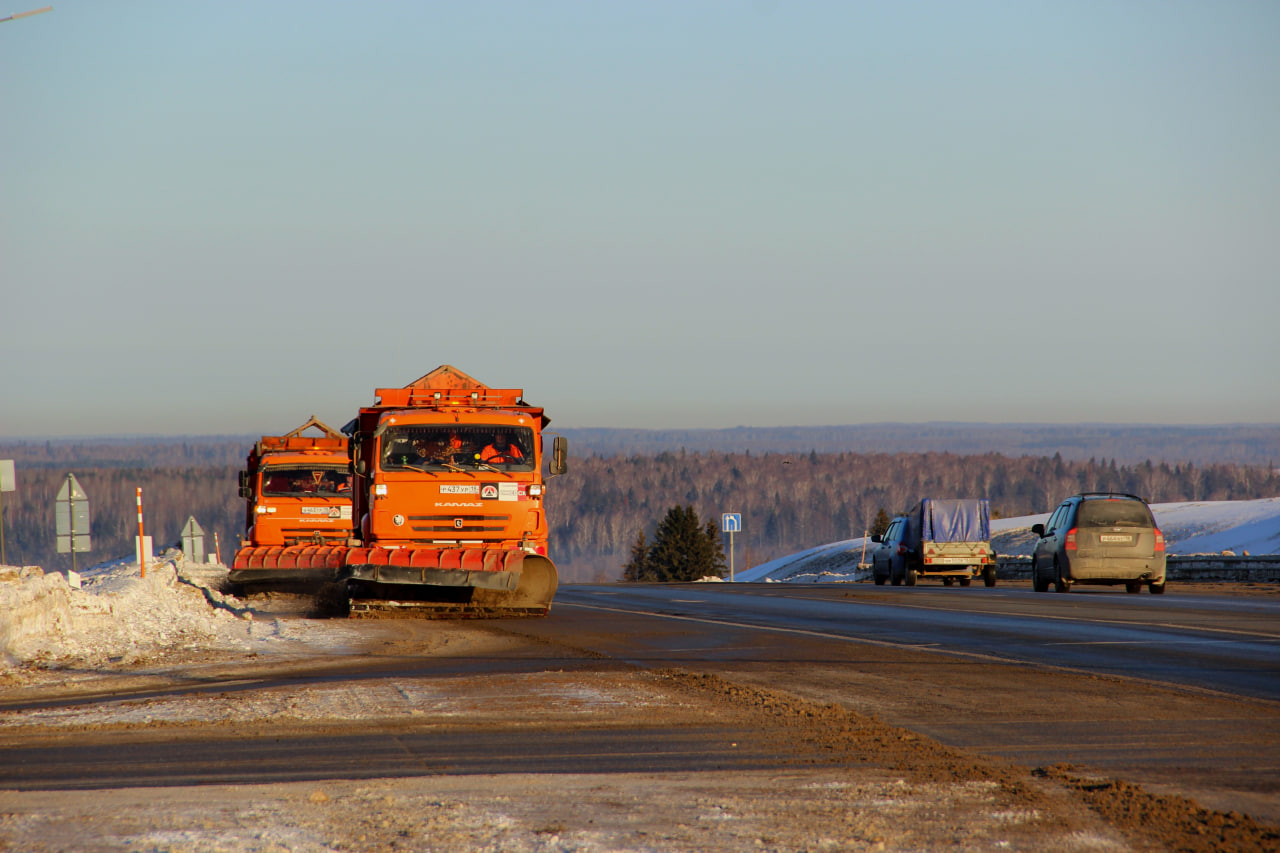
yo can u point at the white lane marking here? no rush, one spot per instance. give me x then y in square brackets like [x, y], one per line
[1081, 619]
[932, 648]
[802, 632]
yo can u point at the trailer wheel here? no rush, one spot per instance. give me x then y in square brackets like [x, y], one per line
[912, 577]
[948, 581]
[1133, 587]
[1156, 588]
[965, 581]
[989, 576]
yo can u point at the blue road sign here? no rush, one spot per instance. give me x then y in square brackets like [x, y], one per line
[732, 522]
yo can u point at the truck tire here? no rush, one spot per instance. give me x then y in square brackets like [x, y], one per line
[989, 576]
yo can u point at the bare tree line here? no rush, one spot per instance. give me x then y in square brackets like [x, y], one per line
[789, 502]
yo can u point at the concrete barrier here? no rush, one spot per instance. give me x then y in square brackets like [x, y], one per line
[1263, 568]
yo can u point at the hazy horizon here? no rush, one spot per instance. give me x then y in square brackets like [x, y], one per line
[220, 218]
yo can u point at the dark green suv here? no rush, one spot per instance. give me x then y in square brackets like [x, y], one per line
[1099, 538]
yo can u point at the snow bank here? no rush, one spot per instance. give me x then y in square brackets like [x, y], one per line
[117, 615]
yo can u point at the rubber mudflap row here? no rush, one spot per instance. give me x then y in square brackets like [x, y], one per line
[533, 596]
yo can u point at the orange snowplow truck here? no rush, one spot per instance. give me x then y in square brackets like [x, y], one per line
[447, 504]
[297, 490]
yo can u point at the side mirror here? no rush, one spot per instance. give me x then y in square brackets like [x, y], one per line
[361, 467]
[245, 491]
[1038, 529]
[877, 538]
[559, 455]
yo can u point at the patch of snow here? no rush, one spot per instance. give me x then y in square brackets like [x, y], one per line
[111, 614]
[1192, 527]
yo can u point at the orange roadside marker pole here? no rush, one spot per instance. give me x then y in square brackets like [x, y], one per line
[142, 551]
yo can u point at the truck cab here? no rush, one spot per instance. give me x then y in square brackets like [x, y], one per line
[297, 489]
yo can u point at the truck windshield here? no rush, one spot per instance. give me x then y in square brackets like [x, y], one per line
[306, 481]
[471, 446]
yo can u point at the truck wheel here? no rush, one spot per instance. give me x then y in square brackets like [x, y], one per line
[965, 581]
[912, 577]
[989, 576]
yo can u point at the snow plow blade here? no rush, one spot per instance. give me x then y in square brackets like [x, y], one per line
[294, 564]
[453, 584]
[414, 583]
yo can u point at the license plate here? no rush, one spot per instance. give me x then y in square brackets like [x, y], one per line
[1113, 538]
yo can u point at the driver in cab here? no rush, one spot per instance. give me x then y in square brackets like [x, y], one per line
[500, 450]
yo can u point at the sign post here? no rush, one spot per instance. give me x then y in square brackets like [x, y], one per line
[6, 485]
[71, 516]
[731, 522]
[193, 540]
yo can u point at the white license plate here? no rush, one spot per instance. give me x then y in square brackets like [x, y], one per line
[1113, 538]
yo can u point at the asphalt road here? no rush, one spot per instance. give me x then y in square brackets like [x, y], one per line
[1216, 642]
[1179, 692]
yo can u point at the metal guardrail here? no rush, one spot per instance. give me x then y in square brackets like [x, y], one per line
[1262, 568]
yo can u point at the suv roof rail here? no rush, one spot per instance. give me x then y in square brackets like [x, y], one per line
[1111, 495]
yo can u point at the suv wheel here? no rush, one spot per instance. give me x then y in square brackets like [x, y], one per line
[1060, 584]
[1037, 583]
[879, 579]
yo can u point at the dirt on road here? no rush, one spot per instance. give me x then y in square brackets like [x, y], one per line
[798, 774]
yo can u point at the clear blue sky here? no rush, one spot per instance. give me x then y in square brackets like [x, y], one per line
[225, 217]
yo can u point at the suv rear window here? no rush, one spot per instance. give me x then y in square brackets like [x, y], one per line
[1114, 511]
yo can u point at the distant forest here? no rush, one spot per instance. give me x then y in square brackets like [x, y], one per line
[789, 500]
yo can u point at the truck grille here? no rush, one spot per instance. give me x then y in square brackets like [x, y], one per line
[460, 523]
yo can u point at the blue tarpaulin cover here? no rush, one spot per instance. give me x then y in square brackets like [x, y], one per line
[958, 520]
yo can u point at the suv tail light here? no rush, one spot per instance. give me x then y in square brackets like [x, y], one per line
[1159, 541]
[1070, 544]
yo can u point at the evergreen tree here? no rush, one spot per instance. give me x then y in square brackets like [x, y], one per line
[683, 549]
[881, 523]
[638, 568]
[715, 551]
